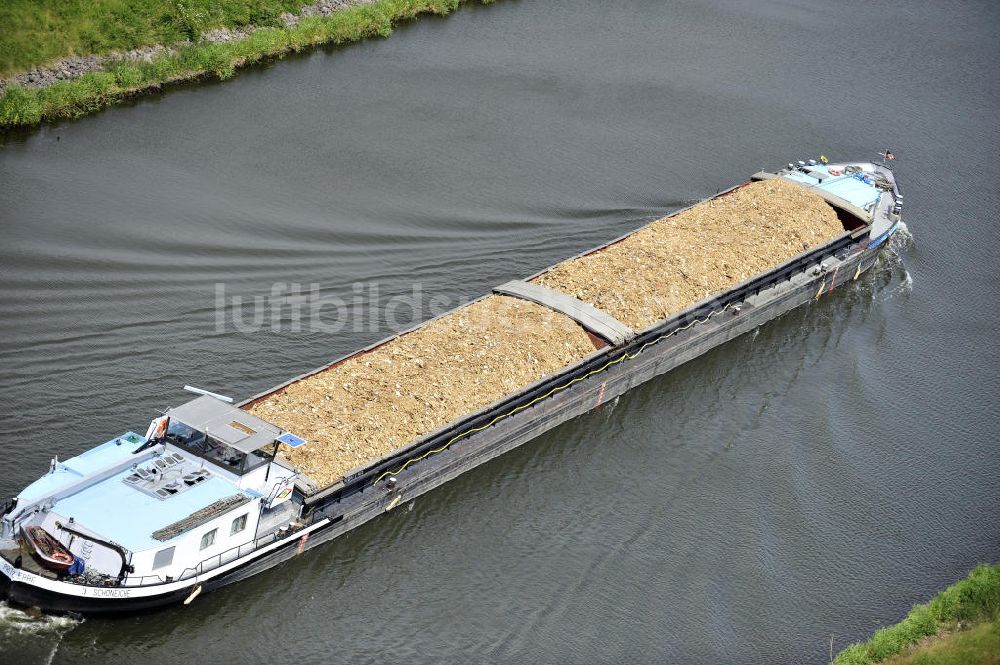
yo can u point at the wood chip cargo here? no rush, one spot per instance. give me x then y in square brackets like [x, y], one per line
[366, 406]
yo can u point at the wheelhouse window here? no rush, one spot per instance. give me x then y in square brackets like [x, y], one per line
[208, 448]
[208, 539]
[163, 558]
[239, 524]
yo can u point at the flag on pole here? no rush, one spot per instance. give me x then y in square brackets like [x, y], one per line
[157, 428]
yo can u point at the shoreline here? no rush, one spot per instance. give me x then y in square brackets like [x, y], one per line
[78, 86]
[939, 624]
[71, 67]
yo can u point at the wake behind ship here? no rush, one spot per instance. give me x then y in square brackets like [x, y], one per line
[212, 493]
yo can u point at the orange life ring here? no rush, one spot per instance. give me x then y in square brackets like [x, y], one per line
[62, 556]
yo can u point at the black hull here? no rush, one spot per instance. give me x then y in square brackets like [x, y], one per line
[28, 595]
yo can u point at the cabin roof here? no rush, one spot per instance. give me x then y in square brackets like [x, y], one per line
[226, 423]
[117, 511]
[76, 468]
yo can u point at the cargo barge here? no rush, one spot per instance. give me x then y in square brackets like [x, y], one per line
[213, 492]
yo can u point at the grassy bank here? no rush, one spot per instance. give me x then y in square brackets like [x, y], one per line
[21, 106]
[978, 645]
[973, 601]
[35, 32]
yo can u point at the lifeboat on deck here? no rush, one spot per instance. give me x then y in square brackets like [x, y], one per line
[48, 551]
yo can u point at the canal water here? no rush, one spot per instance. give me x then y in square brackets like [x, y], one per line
[813, 479]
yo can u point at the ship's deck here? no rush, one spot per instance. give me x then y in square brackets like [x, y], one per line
[113, 509]
[75, 469]
[119, 512]
[845, 186]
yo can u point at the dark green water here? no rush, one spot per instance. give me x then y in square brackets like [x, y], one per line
[814, 479]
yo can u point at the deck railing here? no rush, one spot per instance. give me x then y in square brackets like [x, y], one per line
[211, 563]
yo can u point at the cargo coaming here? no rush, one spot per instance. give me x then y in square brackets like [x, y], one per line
[381, 485]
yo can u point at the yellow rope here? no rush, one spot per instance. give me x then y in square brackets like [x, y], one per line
[624, 356]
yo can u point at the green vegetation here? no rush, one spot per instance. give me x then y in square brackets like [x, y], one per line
[39, 31]
[72, 98]
[979, 645]
[974, 599]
